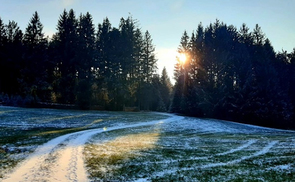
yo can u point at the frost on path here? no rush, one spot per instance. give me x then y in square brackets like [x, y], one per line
[61, 159]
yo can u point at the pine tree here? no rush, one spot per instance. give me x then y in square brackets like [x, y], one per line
[179, 102]
[85, 60]
[104, 48]
[138, 56]
[147, 71]
[2, 34]
[165, 89]
[86, 46]
[3, 41]
[148, 58]
[66, 45]
[11, 53]
[15, 50]
[34, 74]
[184, 48]
[34, 32]
[109, 53]
[127, 30]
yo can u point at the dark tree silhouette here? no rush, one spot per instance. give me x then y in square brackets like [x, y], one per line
[33, 75]
[234, 75]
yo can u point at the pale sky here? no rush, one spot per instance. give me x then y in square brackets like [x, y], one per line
[166, 20]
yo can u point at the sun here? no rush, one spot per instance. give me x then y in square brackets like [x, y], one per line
[182, 58]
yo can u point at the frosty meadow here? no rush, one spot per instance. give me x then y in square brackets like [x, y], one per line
[60, 145]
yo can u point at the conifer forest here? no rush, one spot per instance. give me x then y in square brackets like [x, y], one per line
[231, 73]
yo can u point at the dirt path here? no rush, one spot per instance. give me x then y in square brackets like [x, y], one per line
[61, 159]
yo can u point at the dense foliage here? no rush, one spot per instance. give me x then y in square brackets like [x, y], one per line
[235, 75]
[106, 68]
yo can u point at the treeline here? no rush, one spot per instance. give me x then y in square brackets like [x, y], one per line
[104, 67]
[235, 74]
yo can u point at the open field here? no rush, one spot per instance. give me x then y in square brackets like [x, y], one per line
[59, 145]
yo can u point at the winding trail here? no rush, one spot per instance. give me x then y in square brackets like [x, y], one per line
[61, 159]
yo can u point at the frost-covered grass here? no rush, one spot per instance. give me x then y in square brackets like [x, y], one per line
[191, 150]
[179, 149]
[23, 130]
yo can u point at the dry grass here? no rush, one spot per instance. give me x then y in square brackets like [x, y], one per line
[133, 142]
[105, 160]
[4, 112]
[68, 130]
[40, 120]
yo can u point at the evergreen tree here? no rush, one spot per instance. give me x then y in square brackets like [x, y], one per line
[34, 74]
[11, 51]
[148, 58]
[104, 48]
[291, 76]
[3, 41]
[127, 30]
[165, 89]
[184, 48]
[147, 70]
[85, 60]
[108, 45]
[3, 38]
[179, 102]
[66, 45]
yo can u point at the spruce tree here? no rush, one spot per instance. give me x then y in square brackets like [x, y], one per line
[3, 41]
[11, 58]
[104, 48]
[165, 89]
[179, 102]
[66, 41]
[85, 60]
[148, 58]
[34, 74]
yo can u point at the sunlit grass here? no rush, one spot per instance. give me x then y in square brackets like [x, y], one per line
[59, 131]
[40, 120]
[104, 160]
[94, 122]
[4, 112]
[69, 130]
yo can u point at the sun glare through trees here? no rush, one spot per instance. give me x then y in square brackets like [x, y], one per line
[182, 57]
[234, 74]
